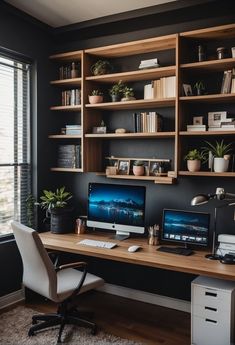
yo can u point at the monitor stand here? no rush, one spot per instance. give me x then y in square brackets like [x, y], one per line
[121, 235]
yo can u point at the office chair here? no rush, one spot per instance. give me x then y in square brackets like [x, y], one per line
[60, 285]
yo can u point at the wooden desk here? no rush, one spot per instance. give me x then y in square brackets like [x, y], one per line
[147, 256]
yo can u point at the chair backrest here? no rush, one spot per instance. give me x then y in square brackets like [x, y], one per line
[38, 270]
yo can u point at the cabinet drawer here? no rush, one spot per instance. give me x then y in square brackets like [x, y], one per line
[213, 313]
[210, 332]
[211, 297]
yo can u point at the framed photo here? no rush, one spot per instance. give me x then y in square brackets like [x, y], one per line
[123, 167]
[187, 88]
[153, 168]
[198, 120]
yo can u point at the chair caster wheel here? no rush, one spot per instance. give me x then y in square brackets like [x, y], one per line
[94, 330]
[31, 333]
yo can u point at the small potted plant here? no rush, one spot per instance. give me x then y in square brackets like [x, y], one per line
[199, 86]
[101, 67]
[220, 152]
[57, 209]
[194, 159]
[138, 168]
[96, 96]
[116, 91]
[128, 94]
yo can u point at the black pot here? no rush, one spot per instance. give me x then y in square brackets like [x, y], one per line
[61, 221]
[115, 98]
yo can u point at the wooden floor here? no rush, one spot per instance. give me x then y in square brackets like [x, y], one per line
[146, 323]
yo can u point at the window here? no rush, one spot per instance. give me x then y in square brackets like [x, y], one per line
[15, 170]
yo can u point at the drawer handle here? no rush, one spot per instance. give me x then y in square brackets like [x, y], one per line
[212, 294]
[212, 321]
[209, 308]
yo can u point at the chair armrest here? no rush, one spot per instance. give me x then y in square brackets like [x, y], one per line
[72, 265]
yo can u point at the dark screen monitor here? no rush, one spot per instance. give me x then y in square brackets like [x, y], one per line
[186, 227]
[116, 207]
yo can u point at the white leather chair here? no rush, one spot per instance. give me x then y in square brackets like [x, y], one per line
[60, 285]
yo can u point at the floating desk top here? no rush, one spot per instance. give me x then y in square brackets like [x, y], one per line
[147, 256]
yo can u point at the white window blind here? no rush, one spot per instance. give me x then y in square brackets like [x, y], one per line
[15, 182]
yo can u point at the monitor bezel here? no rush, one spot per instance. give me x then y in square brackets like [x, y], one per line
[118, 227]
[181, 241]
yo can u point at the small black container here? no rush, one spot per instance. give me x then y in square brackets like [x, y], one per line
[61, 221]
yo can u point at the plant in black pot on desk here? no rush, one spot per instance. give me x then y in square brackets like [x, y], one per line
[58, 210]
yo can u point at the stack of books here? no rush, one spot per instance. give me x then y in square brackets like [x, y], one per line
[69, 156]
[73, 129]
[200, 128]
[150, 122]
[219, 121]
[161, 88]
[150, 63]
[71, 97]
[65, 70]
[228, 82]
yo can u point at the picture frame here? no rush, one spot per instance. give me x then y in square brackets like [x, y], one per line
[187, 89]
[123, 167]
[197, 120]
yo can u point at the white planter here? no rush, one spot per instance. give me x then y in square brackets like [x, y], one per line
[193, 165]
[220, 164]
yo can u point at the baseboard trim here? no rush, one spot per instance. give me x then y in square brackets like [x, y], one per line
[12, 298]
[147, 297]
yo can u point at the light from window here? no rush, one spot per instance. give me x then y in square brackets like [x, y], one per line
[14, 142]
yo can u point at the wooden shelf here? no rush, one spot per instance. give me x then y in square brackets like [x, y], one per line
[215, 98]
[66, 108]
[67, 82]
[147, 74]
[70, 56]
[207, 173]
[64, 136]
[211, 65]
[131, 135]
[206, 133]
[73, 170]
[140, 103]
[217, 32]
[135, 47]
[156, 179]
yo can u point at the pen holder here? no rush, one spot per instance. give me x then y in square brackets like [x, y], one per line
[154, 235]
[80, 226]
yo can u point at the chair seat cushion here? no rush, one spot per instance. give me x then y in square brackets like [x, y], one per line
[68, 279]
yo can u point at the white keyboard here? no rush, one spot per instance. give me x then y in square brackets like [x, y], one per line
[99, 244]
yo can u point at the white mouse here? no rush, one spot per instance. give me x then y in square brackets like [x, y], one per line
[133, 249]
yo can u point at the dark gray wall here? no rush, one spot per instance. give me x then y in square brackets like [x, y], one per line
[33, 41]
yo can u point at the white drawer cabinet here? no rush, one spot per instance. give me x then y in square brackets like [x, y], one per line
[212, 311]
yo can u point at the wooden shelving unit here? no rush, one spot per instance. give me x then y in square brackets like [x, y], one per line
[181, 64]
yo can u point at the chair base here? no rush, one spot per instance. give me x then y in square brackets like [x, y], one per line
[54, 319]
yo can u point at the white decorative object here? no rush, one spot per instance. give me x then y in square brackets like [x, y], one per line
[220, 164]
[120, 130]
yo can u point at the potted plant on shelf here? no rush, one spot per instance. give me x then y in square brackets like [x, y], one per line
[199, 86]
[96, 96]
[220, 152]
[138, 168]
[57, 209]
[194, 159]
[101, 67]
[128, 94]
[116, 91]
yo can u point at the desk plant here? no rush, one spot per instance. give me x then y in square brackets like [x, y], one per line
[116, 91]
[194, 159]
[128, 94]
[57, 209]
[96, 96]
[220, 152]
[101, 67]
[138, 168]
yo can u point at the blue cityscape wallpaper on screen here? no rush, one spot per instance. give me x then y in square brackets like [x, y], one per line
[120, 204]
[186, 226]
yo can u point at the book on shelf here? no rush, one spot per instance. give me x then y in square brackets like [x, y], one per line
[191, 128]
[73, 129]
[150, 122]
[150, 63]
[219, 128]
[226, 82]
[164, 87]
[69, 156]
[71, 97]
[68, 71]
[148, 91]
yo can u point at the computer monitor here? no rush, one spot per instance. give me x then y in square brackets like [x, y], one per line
[186, 227]
[116, 207]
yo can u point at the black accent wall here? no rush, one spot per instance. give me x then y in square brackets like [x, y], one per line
[27, 37]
